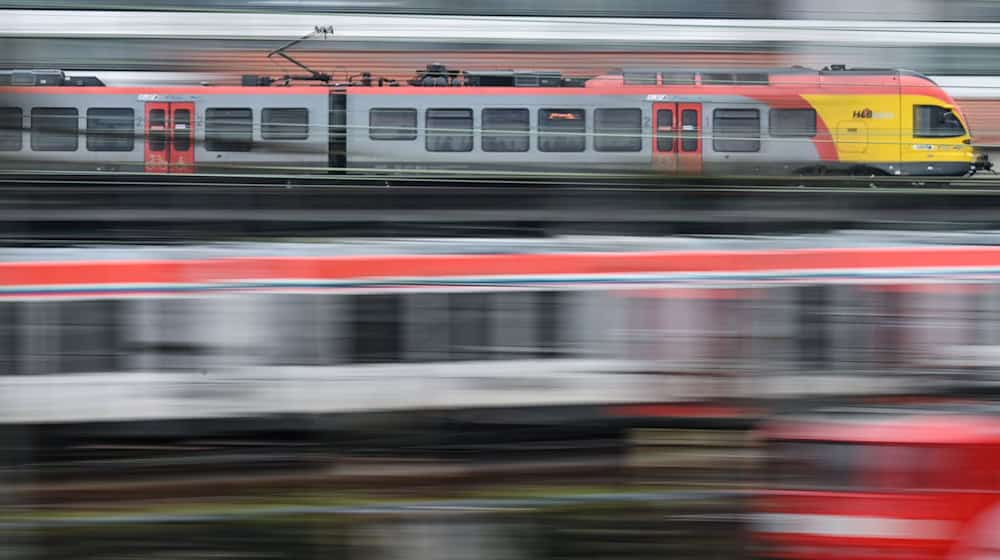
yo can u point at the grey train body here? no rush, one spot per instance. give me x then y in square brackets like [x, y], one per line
[784, 155]
[338, 135]
[265, 155]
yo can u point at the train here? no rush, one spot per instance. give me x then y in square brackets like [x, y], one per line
[783, 121]
[903, 480]
[590, 329]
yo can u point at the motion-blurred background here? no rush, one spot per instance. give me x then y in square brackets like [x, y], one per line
[176, 42]
[794, 376]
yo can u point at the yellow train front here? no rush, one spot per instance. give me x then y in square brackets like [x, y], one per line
[791, 121]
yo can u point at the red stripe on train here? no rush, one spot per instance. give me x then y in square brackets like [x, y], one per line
[430, 266]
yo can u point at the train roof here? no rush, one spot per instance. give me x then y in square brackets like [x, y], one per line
[794, 75]
[438, 75]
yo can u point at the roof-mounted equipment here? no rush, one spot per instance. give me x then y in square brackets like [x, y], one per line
[46, 78]
[280, 51]
[521, 78]
[437, 74]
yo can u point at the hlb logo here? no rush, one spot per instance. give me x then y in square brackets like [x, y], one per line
[863, 114]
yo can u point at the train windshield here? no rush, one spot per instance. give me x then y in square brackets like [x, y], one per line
[845, 466]
[930, 121]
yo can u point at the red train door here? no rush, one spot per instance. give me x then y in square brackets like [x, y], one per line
[169, 137]
[677, 138]
[182, 137]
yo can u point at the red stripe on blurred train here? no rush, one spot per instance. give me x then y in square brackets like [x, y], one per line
[759, 122]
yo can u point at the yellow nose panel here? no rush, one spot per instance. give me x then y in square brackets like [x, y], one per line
[879, 129]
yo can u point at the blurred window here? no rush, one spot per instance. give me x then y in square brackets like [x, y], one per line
[665, 130]
[377, 328]
[471, 328]
[54, 129]
[11, 122]
[163, 334]
[303, 333]
[10, 337]
[562, 130]
[814, 307]
[285, 124]
[551, 307]
[392, 124]
[618, 130]
[817, 465]
[449, 130]
[110, 130]
[68, 336]
[228, 130]
[461, 326]
[506, 130]
[930, 121]
[882, 467]
[90, 336]
[793, 123]
[736, 130]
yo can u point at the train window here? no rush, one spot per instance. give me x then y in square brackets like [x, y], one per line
[228, 130]
[182, 130]
[506, 130]
[392, 124]
[793, 123]
[448, 130]
[54, 129]
[157, 130]
[562, 130]
[689, 130]
[11, 122]
[110, 130]
[736, 130]
[930, 121]
[284, 124]
[618, 130]
[665, 130]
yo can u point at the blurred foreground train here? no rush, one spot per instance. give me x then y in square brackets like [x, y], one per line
[715, 122]
[581, 331]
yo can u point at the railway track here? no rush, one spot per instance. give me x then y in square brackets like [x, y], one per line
[287, 178]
